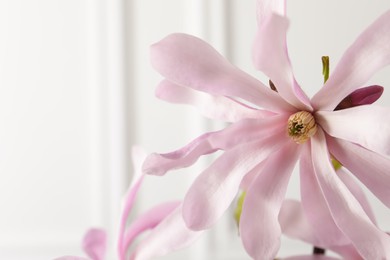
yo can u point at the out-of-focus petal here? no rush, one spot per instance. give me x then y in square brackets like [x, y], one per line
[259, 227]
[357, 191]
[310, 257]
[367, 55]
[370, 168]
[265, 8]
[271, 57]
[147, 221]
[315, 206]
[368, 126]
[94, 243]
[294, 223]
[370, 242]
[68, 257]
[213, 191]
[170, 235]
[362, 96]
[214, 107]
[189, 61]
[138, 156]
[236, 134]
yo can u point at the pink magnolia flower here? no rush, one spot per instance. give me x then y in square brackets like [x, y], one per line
[167, 229]
[270, 131]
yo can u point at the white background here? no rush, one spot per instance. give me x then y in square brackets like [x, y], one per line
[77, 90]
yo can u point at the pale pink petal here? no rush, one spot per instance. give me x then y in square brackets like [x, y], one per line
[213, 191]
[265, 8]
[310, 257]
[236, 134]
[259, 227]
[214, 107]
[348, 252]
[367, 55]
[147, 221]
[346, 177]
[95, 243]
[368, 126]
[138, 156]
[315, 206]
[294, 223]
[170, 235]
[348, 214]
[68, 257]
[370, 168]
[270, 56]
[191, 62]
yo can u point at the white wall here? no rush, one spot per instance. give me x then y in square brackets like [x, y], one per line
[77, 89]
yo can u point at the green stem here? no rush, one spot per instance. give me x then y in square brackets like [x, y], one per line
[325, 67]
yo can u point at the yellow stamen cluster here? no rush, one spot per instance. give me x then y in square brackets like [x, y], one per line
[301, 126]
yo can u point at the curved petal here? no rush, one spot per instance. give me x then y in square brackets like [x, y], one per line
[215, 107]
[213, 191]
[95, 243]
[189, 61]
[259, 227]
[236, 134]
[271, 57]
[138, 156]
[357, 192]
[310, 257]
[367, 55]
[316, 208]
[367, 125]
[146, 221]
[362, 96]
[349, 216]
[294, 223]
[265, 8]
[68, 257]
[370, 168]
[170, 235]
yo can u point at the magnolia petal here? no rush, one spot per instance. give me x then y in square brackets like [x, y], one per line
[370, 168]
[147, 221]
[94, 243]
[315, 206]
[362, 96]
[367, 55]
[356, 191]
[213, 191]
[348, 252]
[170, 235]
[265, 8]
[310, 257]
[348, 214]
[368, 126]
[214, 107]
[271, 57]
[138, 156]
[294, 223]
[68, 257]
[236, 134]
[259, 227]
[189, 61]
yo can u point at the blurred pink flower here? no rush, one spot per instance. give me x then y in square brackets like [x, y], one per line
[167, 229]
[271, 131]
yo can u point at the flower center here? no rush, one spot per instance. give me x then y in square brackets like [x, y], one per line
[301, 126]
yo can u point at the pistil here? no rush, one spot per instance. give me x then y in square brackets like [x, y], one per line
[301, 126]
